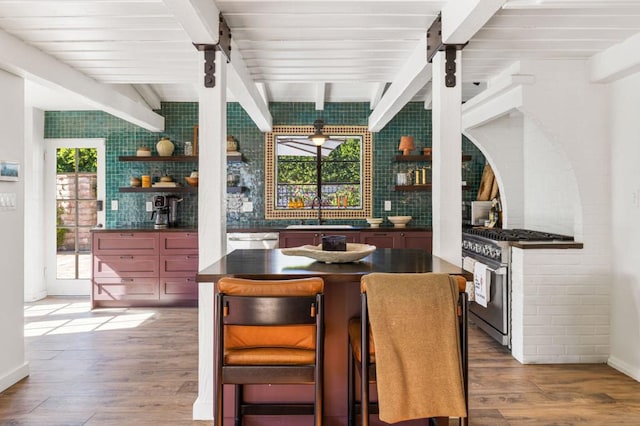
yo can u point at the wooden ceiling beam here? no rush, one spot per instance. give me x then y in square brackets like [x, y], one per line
[414, 74]
[618, 61]
[200, 19]
[32, 64]
[461, 19]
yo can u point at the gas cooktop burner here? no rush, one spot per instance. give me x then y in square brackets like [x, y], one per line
[499, 234]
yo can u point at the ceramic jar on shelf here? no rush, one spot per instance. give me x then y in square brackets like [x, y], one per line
[165, 147]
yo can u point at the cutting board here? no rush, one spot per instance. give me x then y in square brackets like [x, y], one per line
[486, 184]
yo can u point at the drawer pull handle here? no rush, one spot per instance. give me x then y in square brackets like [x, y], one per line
[126, 235]
[192, 256]
[126, 257]
[126, 280]
[191, 280]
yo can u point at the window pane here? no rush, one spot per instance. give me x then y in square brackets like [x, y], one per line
[87, 160]
[65, 213]
[87, 214]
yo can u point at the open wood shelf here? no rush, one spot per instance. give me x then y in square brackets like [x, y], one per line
[159, 189]
[426, 187]
[414, 158]
[175, 159]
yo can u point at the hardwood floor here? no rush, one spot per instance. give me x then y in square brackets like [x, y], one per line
[139, 366]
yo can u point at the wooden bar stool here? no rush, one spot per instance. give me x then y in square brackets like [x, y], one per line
[269, 332]
[431, 311]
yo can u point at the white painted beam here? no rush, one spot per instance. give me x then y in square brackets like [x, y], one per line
[320, 94]
[446, 162]
[428, 96]
[246, 93]
[376, 95]
[461, 19]
[199, 18]
[414, 74]
[618, 61]
[30, 63]
[149, 95]
[264, 93]
[502, 95]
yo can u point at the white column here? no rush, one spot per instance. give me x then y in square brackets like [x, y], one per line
[447, 162]
[212, 222]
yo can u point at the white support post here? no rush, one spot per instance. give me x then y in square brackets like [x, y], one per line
[211, 220]
[447, 162]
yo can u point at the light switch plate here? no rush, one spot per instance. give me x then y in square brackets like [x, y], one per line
[387, 206]
[114, 204]
[149, 206]
[247, 206]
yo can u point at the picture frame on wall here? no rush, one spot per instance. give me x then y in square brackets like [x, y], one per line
[9, 170]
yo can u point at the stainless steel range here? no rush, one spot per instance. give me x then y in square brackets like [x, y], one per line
[492, 247]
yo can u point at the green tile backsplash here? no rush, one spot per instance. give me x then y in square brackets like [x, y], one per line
[123, 138]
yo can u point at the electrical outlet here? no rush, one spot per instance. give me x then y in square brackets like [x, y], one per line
[387, 206]
[114, 204]
[247, 206]
[149, 206]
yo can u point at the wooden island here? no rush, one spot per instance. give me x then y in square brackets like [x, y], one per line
[342, 301]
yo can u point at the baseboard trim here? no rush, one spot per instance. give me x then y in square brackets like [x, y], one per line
[203, 409]
[13, 377]
[34, 297]
[624, 368]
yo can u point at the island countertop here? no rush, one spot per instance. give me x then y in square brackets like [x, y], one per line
[273, 264]
[341, 302]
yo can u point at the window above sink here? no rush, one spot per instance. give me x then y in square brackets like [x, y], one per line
[291, 173]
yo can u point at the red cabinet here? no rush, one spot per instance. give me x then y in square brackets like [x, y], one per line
[382, 238]
[144, 268]
[178, 266]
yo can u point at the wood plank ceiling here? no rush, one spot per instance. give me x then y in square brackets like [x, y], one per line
[345, 50]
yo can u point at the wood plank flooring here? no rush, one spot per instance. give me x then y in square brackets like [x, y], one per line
[140, 367]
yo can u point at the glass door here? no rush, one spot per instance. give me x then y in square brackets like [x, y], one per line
[75, 188]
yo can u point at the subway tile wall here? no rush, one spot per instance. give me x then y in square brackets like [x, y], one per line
[123, 138]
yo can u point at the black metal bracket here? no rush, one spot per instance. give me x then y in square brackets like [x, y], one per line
[223, 45]
[435, 45]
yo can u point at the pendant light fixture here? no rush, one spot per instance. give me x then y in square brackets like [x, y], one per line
[318, 138]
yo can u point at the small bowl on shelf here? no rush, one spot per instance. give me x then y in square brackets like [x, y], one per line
[374, 221]
[399, 221]
[192, 181]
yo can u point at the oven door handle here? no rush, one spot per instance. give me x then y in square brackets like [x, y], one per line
[500, 271]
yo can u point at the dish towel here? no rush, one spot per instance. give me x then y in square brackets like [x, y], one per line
[415, 329]
[482, 283]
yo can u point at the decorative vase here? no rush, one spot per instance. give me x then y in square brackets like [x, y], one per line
[165, 147]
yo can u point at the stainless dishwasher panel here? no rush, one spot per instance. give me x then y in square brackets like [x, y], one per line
[252, 240]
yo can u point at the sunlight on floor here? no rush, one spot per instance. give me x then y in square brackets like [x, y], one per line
[99, 320]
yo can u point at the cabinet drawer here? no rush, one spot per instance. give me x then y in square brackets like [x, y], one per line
[125, 266]
[178, 288]
[126, 289]
[179, 266]
[381, 239]
[116, 243]
[178, 243]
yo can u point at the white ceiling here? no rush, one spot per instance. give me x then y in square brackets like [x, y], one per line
[344, 50]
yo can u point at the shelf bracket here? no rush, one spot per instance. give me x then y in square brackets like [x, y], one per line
[223, 45]
[435, 45]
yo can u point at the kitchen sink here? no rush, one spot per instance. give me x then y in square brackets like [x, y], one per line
[319, 227]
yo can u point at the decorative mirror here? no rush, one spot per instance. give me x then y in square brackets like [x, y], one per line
[292, 178]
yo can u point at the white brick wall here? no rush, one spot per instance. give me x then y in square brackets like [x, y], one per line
[560, 307]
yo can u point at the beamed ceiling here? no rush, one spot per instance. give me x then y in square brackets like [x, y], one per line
[303, 51]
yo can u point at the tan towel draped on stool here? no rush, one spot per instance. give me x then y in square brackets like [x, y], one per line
[415, 328]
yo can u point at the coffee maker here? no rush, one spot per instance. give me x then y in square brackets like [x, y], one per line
[172, 202]
[160, 212]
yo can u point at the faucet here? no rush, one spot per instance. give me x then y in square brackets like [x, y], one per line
[313, 202]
